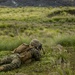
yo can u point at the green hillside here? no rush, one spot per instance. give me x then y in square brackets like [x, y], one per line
[52, 26]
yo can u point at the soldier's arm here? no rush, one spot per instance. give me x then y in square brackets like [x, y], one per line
[36, 55]
[41, 48]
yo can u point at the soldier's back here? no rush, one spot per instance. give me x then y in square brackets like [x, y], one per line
[23, 47]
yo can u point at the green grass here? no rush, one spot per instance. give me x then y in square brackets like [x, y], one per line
[52, 26]
[9, 43]
[36, 14]
[65, 40]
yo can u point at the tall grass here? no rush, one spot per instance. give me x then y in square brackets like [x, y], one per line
[9, 43]
[65, 40]
[31, 14]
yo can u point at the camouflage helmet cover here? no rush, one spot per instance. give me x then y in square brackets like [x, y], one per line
[35, 43]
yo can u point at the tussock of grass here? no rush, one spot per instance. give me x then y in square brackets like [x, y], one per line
[9, 43]
[65, 40]
[3, 53]
[64, 11]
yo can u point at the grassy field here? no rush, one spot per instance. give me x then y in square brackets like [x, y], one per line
[52, 26]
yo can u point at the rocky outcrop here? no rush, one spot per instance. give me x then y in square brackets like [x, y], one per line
[16, 3]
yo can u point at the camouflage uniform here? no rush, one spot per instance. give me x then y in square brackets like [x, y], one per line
[22, 54]
[10, 62]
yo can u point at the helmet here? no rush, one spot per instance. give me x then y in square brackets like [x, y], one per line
[35, 43]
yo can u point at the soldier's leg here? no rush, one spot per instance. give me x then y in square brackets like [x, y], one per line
[5, 60]
[13, 65]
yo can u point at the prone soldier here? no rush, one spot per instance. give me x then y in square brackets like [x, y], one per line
[24, 53]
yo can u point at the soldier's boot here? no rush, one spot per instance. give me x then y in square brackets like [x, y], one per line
[1, 68]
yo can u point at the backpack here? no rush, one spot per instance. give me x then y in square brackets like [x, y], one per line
[22, 48]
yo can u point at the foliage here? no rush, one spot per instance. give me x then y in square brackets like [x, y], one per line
[65, 40]
[9, 43]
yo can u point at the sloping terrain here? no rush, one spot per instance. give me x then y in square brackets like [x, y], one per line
[16, 3]
[52, 26]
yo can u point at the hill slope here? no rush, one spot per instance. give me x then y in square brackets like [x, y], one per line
[19, 25]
